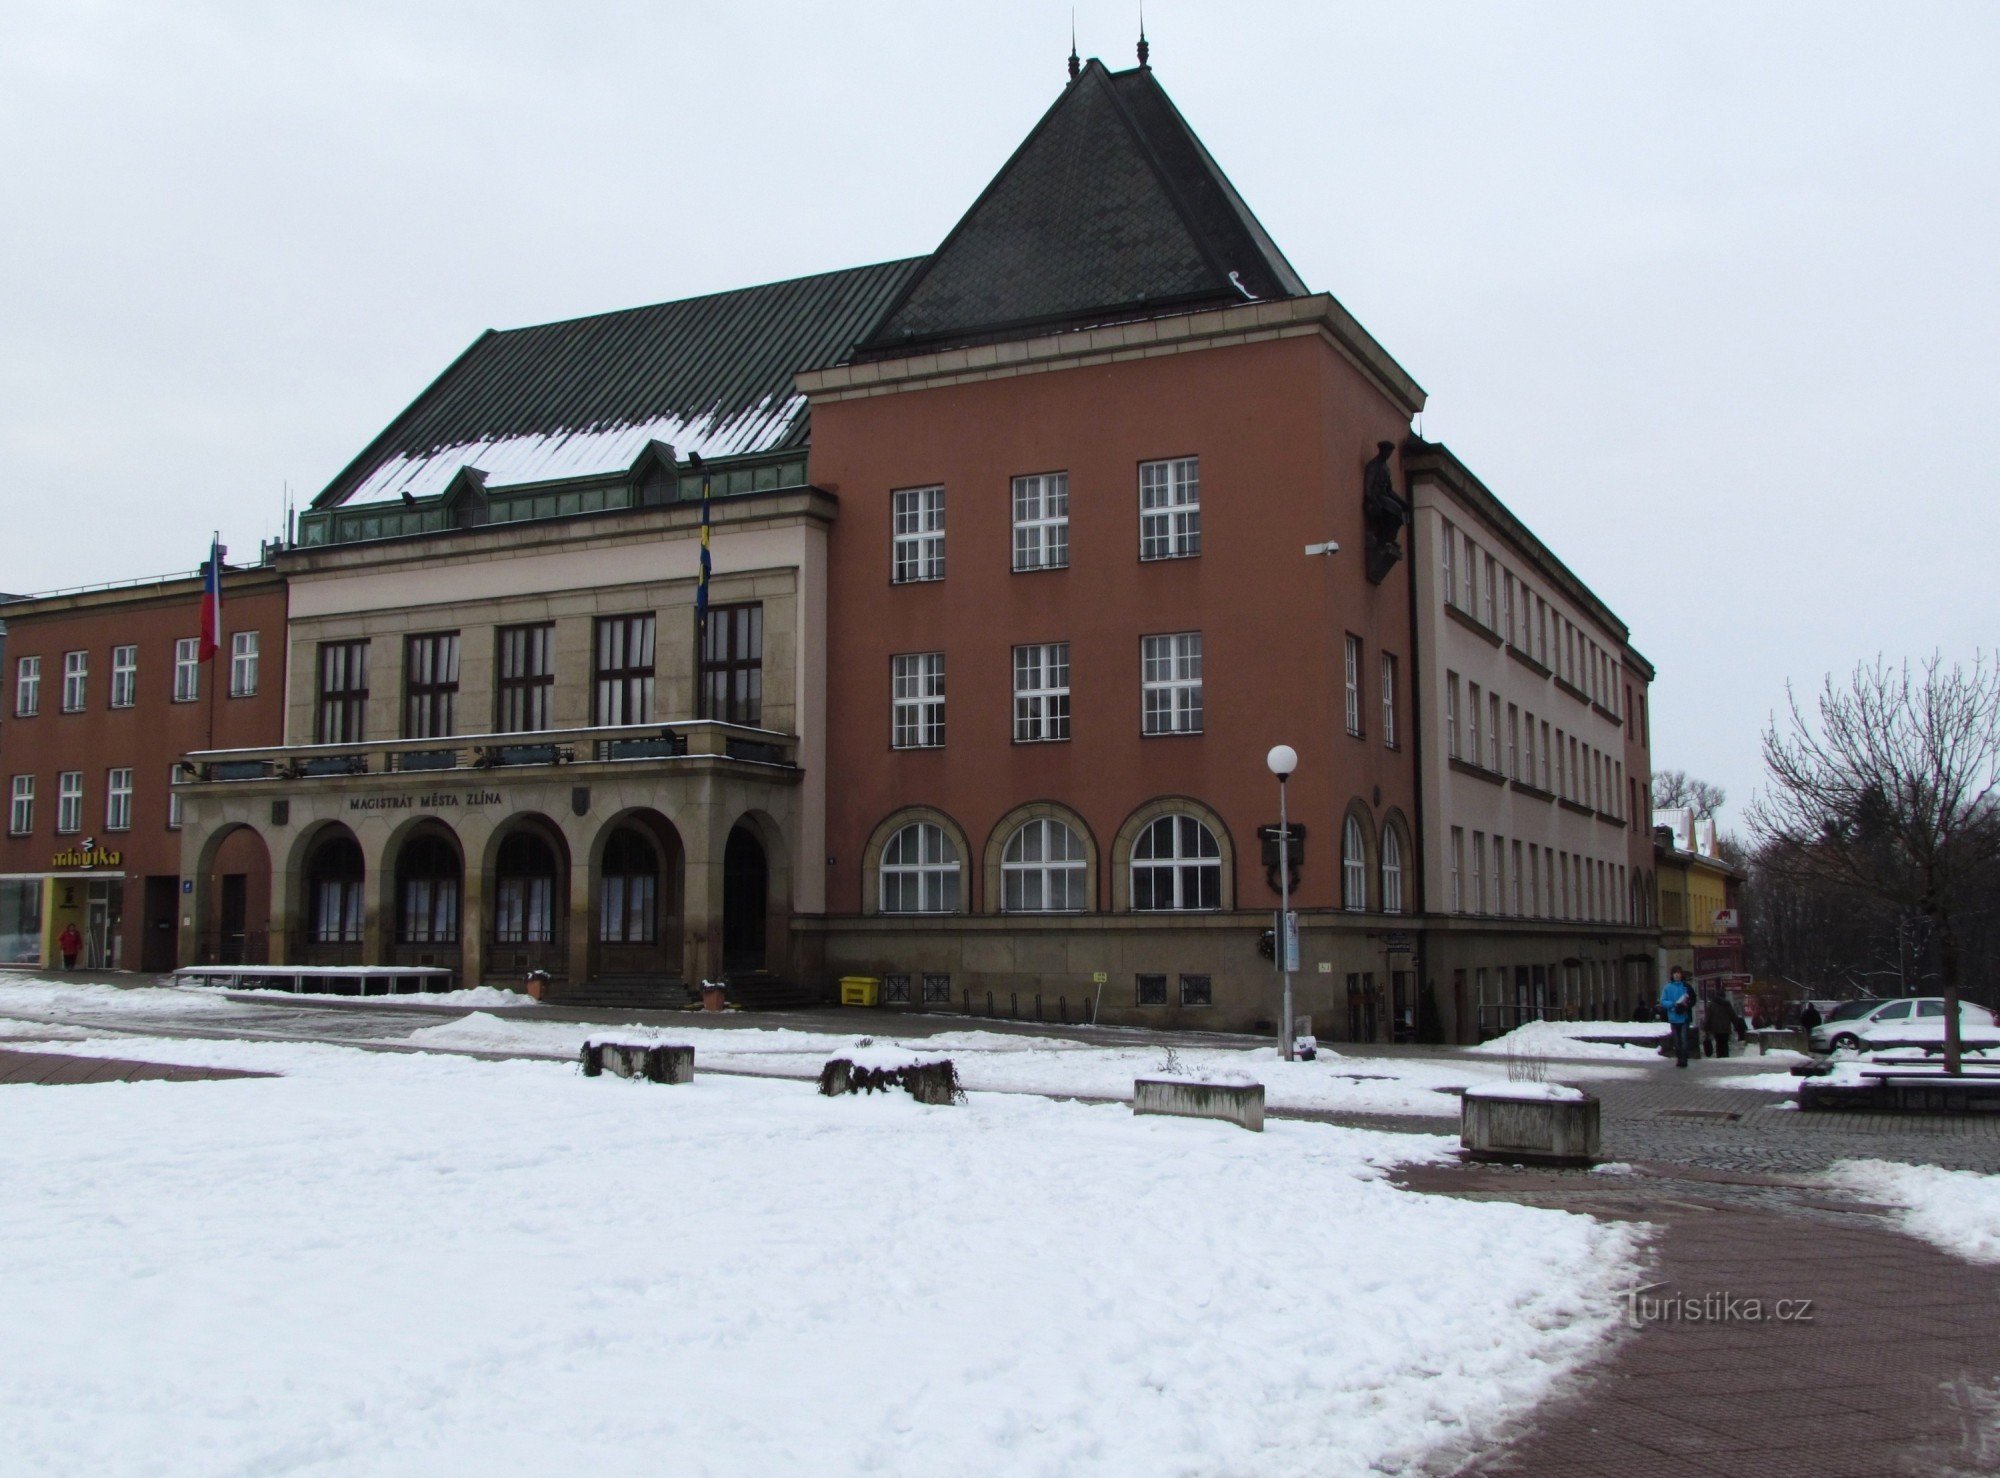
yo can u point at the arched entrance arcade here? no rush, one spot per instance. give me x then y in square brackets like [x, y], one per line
[527, 900]
[638, 893]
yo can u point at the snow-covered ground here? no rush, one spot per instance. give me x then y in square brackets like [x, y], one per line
[422, 1264]
[1008, 1062]
[1564, 1039]
[1958, 1210]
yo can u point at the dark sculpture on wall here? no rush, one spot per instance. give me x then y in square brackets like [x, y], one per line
[1383, 512]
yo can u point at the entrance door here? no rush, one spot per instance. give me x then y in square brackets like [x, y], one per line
[159, 949]
[235, 909]
[746, 891]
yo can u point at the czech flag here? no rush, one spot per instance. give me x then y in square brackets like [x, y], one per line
[211, 601]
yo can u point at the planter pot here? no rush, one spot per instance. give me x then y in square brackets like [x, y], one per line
[1528, 1129]
[711, 998]
[1186, 1098]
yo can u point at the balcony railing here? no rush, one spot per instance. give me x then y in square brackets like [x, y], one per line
[691, 740]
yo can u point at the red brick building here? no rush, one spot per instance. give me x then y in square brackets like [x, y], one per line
[104, 695]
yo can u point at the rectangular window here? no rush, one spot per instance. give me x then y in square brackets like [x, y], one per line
[1507, 606]
[430, 685]
[1041, 521]
[1541, 631]
[1353, 685]
[243, 664]
[1445, 546]
[917, 552]
[1517, 878]
[1489, 594]
[1170, 509]
[1451, 713]
[1151, 990]
[624, 661]
[917, 693]
[124, 676]
[1388, 701]
[1041, 692]
[118, 800]
[937, 990]
[27, 687]
[187, 669]
[173, 798]
[1562, 770]
[527, 678]
[1170, 683]
[1528, 751]
[69, 801]
[21, 806]
[1513, 742]
[76, 681]
[343, 691]
[1196, 990]
[1493, 732]
[1545, 755]
[1479, 871]
[1458, 869]
[732, 665]
[1499, 894]
[1475, 742]
[1469, 574]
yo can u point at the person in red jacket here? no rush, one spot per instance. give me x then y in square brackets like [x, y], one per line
[69, 942]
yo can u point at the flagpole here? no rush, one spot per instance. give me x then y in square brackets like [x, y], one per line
[701, 596]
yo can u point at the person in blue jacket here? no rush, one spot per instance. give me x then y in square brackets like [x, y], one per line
[1677, 1001]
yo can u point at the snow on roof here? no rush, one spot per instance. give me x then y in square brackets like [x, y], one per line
[580, 451]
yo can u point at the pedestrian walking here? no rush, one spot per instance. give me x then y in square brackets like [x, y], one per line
[1678, 1002]
[1809, 1018]
[70, 942]
[1718, 1021]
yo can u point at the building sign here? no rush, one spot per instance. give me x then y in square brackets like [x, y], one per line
[91, 856]
[1711, 961]
[437, 800]
[1397, 942]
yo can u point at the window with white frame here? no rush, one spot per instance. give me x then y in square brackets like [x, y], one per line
[1479, 871]
[1041, 692]
[1499, 893]
[173, 798]
[1353, 866]
[21, 806]
[1469, 575]
[1475, 742]
[187, 669]
[1493, 732]
[27, 687]
[1489, 594]
[1170, 683]
[917, 700]
[1528, 751]
[69, 801]
[1534, 880]
[124, 676]
[1176, 865]
[1517, 877]
[1545, 755]
[1392, 870]
[118, 800]
[1170, 508]
[1446, 545]
[917, 515]
[1506, 627]
[1041, 521]
[243, 664]
[1352, 679]
[1458, 869]
[1513, 741]
[920, 871]
[76, 681]
[1451, 714]
[1388, 701]
[1043, 869]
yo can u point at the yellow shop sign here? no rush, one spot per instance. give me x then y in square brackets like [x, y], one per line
[88, 857]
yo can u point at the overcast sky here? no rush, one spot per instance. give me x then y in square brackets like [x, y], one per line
[1706, 293]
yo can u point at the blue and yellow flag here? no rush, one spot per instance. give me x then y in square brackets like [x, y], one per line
[701, 586]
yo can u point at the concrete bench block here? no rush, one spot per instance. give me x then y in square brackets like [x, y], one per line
[1187, 1098]
[1529, 1129]
[933, 1082]
[656, 1063]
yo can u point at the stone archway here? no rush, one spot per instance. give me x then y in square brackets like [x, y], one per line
[746, 902]
[232, 904]
[637, 899]
[527, 900]
[426, 906]
[333, 906]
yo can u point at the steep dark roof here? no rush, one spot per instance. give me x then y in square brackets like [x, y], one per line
[710, 375]
[1110, 207]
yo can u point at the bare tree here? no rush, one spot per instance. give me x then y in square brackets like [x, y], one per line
[1674, 789]
[1893, 796]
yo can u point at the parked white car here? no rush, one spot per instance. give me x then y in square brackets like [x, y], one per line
[1916, 1021]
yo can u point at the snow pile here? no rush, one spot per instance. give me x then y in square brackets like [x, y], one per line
[450, 1000]
[870, 1055]
[1527, 1092]
[398, 1264]
[1958, 1210]
[37, 995]
[1013, 1063]
[1563, 1039]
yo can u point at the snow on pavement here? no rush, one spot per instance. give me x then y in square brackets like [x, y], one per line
[1958, 1210]
[417, 1263]
[1012, 1063]
[1564, 1039]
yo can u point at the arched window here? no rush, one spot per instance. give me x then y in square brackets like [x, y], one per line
[1176, 864]
[920, 871]
[1042, 869]
[628, 898]
[524, 897]
[333, 881]
[1354, 866]
[427, 891]
[1392, 870]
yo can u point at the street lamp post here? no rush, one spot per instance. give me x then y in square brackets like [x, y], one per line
[1282, 760]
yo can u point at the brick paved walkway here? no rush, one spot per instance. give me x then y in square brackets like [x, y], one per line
[55, 1067]
[1896, 1373]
